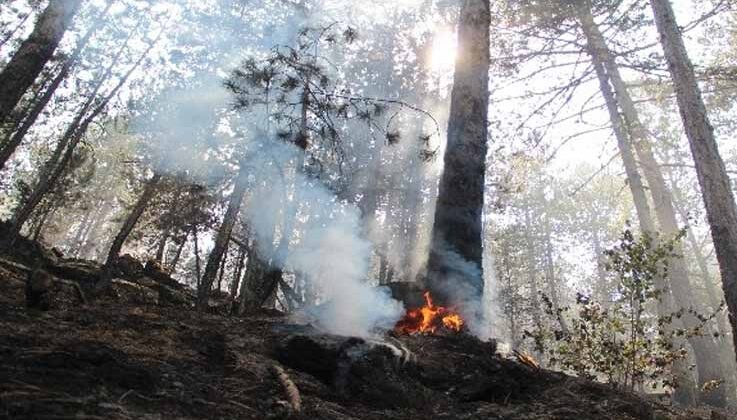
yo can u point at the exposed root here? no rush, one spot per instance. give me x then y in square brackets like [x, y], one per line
[295, 400]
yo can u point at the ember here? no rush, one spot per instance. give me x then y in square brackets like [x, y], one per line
[429, 319]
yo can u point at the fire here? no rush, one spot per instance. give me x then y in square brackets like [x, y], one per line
[429, 318]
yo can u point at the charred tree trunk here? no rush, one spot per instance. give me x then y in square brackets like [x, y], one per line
[457, 228]
[125, 230]
[222, 239]
[715, 185]
[15, 138]
[33, 54]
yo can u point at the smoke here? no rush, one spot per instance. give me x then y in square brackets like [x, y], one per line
[329, 252]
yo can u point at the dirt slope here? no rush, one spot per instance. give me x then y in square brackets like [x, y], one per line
[122, 360]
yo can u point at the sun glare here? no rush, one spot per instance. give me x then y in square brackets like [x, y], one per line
[443, 54]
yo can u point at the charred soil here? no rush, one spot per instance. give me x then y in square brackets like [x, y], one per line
[126, 357]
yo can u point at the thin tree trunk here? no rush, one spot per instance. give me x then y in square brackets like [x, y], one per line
[716, 190]
[197, 265]
[685, 391]
[457, 228]
[709, 368]
[235, 283]
[64, 151]
[28, 62]
[175, 260]
[531, 275]
[12, 33]
[223, 236]
[222, 268]
[161, 246]
[15, 138]
[125, 230]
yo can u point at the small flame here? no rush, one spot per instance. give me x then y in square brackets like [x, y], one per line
[429, 318]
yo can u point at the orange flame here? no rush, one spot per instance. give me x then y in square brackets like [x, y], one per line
[429, 318]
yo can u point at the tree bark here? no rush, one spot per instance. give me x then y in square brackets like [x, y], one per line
[63, 153]
[454, 271]
[125, 230]
[223, 236]
[235, 283]
[716, 190]
[599, 52]
[175, 260]
[33, 54]
[14, 139]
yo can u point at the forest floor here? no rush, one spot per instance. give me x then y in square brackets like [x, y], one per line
[122, 359]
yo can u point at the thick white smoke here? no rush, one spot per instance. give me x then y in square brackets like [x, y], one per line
[330, 252]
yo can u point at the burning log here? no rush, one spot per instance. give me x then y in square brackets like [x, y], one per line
[429, 319]
[371, 370]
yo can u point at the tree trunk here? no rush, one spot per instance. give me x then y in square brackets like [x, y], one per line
[125, 230]
[175, 260]
[15, 138]
[708, 367]
[454, 271]
[222, 239]
[12, 33]
[715, 185]
[222, 269]
[33, 54]
[235, 283]
[599, 52]
[161, 246]
[531, 275]
[63, 153]
[197, 265]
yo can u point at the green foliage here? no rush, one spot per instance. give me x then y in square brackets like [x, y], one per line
[621, 343]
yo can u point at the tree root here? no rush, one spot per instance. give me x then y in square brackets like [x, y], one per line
[295, 400]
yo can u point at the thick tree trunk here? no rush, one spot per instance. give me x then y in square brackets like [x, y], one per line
[33, 54]
[719, 201]
[685, 392]
[14, 140]
[222, 239]
[125, 230]
[454, 270]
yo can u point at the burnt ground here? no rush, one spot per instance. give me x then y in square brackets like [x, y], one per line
[127, 359]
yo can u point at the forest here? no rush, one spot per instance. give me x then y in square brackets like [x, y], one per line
[338, 209]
